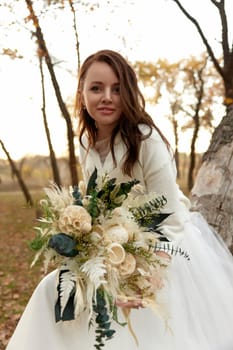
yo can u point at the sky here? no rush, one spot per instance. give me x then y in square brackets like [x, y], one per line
[140, 29]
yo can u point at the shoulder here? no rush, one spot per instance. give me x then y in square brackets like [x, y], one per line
[151, 135]
[154, 151]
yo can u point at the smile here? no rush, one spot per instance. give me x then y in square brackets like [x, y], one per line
[105, 110]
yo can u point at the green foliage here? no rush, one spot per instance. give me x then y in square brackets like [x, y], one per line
[102, 320]
[138, 251]
[109, 197]
[91, 186]
[149, 214]
[93, 207]
[38, 242]
[114, 309]
[113, 195]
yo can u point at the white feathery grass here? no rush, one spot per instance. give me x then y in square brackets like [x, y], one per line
[79, 298]
[59, 198]
[48, 256]
[38, 254]
[95, 270]
[44, 231]
[113, 282]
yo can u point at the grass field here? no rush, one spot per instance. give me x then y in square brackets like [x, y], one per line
[17, 279]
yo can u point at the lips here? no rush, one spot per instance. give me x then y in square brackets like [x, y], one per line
[106, 110]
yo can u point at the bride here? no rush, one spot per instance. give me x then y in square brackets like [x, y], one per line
[118, 137]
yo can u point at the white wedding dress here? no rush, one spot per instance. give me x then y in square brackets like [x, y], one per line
[198, 294]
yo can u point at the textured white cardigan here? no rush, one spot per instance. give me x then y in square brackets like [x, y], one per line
[155, 170]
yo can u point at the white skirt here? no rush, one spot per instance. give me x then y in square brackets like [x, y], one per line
[198, 297]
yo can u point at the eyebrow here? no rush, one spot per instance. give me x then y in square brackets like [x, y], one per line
[100, 82]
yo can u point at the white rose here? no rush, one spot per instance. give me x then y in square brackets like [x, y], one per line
[75, 219]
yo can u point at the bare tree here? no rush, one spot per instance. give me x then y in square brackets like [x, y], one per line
[213, 189]
[75, 32]
[17, 173]
[43, 51]
[226, 69]
[198, 84]
[53, 160]
[188, 88]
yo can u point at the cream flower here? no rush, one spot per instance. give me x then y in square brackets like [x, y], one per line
[116, 233]
[122, 216]
[116, 253]
[128, 266]
[75, 219]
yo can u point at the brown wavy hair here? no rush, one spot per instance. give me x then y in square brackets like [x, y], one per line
[133, 108]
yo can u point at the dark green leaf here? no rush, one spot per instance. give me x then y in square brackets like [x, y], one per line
[77, 196]
[92, 182]
[63, 244]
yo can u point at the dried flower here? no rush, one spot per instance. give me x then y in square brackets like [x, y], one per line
[128, 266]
[75, 219]
[116, 253]
[116, 233]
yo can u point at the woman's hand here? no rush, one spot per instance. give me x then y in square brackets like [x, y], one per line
[164, 255]
[130, 304]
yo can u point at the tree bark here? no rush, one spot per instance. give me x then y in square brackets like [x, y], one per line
[212, 193]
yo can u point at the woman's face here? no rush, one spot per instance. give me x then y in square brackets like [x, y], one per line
[101, 97]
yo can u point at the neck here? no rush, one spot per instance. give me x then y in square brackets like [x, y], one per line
[103, 134]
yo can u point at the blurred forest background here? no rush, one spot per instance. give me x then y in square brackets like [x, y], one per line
[190, 97]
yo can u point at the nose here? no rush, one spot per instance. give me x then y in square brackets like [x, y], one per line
[107, 95]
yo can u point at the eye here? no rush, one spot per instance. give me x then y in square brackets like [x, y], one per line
[95, 88]
[116, 89]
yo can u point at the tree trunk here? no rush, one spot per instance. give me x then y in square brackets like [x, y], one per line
[53, 160]
[43, 51]
[16, 172]
[177, 156]
[192, 163]
[212, 193]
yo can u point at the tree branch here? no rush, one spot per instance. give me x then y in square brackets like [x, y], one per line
[75, 31]
[225, 43]
[208, 47]
[216, 3]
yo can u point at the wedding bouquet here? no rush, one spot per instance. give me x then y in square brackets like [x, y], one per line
[103, 241]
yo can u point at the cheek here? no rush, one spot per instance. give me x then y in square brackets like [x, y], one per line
[117, 101]
[90, 100]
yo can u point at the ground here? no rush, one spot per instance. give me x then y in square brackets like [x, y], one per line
[17, 278]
